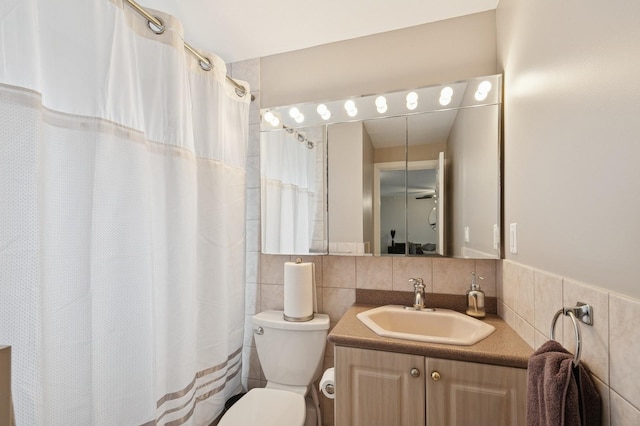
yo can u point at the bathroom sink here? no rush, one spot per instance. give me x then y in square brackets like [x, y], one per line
[439, 326]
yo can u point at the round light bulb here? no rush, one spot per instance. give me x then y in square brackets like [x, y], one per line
[349, 105]
[412, 98]
[268, 116]
[381, 102]
[275, 122]
[446, 92]
[484, 87]
[322, 109]
[293, 112]
[326, 115]
[299, 118]
[352, 112]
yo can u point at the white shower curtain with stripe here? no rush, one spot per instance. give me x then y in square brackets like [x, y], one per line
[122, 233]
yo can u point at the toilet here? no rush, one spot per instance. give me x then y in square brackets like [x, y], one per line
[291, 355]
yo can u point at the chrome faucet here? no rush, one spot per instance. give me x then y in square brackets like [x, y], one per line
[418, 290]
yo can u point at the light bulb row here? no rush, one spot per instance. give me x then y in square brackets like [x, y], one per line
[446, 95]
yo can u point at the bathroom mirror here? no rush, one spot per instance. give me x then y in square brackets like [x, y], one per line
[417, 173]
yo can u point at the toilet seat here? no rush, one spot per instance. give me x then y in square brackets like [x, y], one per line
[266, 407]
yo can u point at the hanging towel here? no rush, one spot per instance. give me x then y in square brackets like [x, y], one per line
[559, 394]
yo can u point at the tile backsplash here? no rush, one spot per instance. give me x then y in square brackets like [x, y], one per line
[527, 300]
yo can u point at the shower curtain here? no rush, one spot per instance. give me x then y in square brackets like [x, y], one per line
[122, 233]
[291, 175]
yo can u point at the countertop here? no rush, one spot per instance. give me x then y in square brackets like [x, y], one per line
[503, 347]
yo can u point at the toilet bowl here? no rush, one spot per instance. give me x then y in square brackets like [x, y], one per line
[291, 355]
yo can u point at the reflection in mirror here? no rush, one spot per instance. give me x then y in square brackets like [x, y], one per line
[292, 169]
[431, 188]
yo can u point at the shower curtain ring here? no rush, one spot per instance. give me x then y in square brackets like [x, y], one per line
[156, 27]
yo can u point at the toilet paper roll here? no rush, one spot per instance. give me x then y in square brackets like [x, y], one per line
[298, 291]
[328, 383]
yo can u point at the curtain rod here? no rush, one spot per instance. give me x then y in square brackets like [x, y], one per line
[157, 27]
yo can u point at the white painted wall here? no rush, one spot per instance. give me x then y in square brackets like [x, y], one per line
[413, 57]
[572, 137]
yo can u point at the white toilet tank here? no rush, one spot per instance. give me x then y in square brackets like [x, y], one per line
[290, 353]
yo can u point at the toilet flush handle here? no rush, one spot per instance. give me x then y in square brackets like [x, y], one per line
[259, 331]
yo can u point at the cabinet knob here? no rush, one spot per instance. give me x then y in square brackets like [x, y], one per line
[415, 372]
[435, 376]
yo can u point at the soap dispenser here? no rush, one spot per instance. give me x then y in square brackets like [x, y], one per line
[475, 299]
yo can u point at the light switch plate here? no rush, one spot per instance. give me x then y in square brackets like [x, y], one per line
[513, 238]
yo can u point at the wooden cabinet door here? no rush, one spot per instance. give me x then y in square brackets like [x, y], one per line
[375, 388]
[466, 393]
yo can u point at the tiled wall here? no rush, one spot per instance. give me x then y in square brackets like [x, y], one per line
[527, 300]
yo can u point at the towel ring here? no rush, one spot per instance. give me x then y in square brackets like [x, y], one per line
[576, 328]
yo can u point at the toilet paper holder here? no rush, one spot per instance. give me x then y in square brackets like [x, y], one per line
[330, 388]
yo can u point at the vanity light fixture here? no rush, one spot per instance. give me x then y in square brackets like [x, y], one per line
[350, 107]
[445, 96]
[483, 90]
[412, 100]
[381, 104]
[324, 112]
[271, 118]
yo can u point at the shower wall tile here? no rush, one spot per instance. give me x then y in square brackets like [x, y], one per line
[624, 350]
[405, 268]
[253, 267]
[253, 147]
[249, 71]
[374, 273]
[595, 338]
[339, 271]
[253, 235]
[253, 204]
[251, 299]
[254, 109]
[253, 172]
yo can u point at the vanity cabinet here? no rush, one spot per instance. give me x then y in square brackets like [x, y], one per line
[377, 388]
[384, 388]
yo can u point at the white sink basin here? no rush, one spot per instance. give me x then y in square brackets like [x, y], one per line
[439, 326]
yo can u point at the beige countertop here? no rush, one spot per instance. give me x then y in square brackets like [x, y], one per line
[503, 347]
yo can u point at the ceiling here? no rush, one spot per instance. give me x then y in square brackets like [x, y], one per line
[246, 29]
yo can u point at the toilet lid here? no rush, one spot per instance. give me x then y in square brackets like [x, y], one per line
[266, 407]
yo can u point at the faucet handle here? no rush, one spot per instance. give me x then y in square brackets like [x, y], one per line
[418, 283]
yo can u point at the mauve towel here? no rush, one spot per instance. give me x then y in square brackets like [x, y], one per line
[559, 394]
